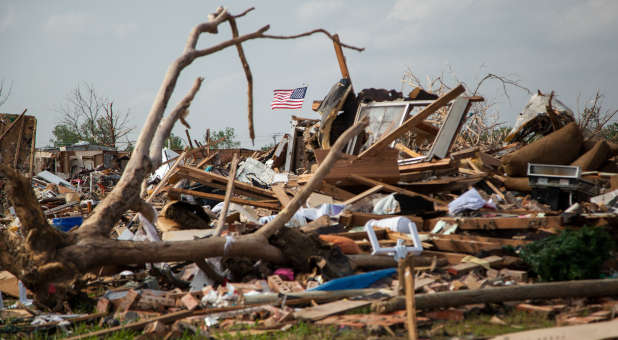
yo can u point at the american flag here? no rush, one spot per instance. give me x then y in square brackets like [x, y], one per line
[289, 99]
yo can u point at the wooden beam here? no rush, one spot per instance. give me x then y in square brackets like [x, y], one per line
[395, 189]
[237, 191]
[201, 175]
[189, 138]
[407, 150]
[545, 290]
[487, 182]
[464, 246]
[498, 240]
[492, 223]
[424, 166]
[167, 175]
[410, 305]
[205, 161]
[413, 121]
[451, 258]
[228, 194]
[20, 135]
[281, 195]
[221, 198]
[364, 194]
[321, 311]
[335, 192]
[340, 57]
[465, 267]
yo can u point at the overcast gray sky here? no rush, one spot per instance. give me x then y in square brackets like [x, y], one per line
[123, 48]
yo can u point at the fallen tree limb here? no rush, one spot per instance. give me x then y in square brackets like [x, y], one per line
[549, 290]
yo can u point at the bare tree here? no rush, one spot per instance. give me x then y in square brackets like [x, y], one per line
[594, 118]
[91, 117]
[484, 126]
[49, 262]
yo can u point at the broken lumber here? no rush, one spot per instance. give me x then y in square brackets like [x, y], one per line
[364, 194]
[424, 166]
[222, 197]
[395, 189]
[466, 267]
[410, 306]
[321, 311]
[228, 195]
[335, 192]
[548, 290]
[281, 195]
[407, 150]
[207, 178]
[491, 223]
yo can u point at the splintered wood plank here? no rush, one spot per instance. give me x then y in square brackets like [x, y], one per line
[228, 194]
[491, 223]
[451, 258]
[206, 178]
[321, 311]
[206, 160]
[216, 197]
[281, 195]
[364, 194]
[407, 150]
[343, 67]
[465, 246]
[335, 192]
[498, 240]
[166, 177]
[424, 166]
[392, 188]
[413, 121]
[465, 267]
[410, 306]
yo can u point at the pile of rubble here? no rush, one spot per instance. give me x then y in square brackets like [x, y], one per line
[390, 219]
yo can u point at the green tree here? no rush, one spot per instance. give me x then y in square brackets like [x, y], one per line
[610, 132]
[223, 139]
[174, 142]
[89, 117]
[63, 135]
